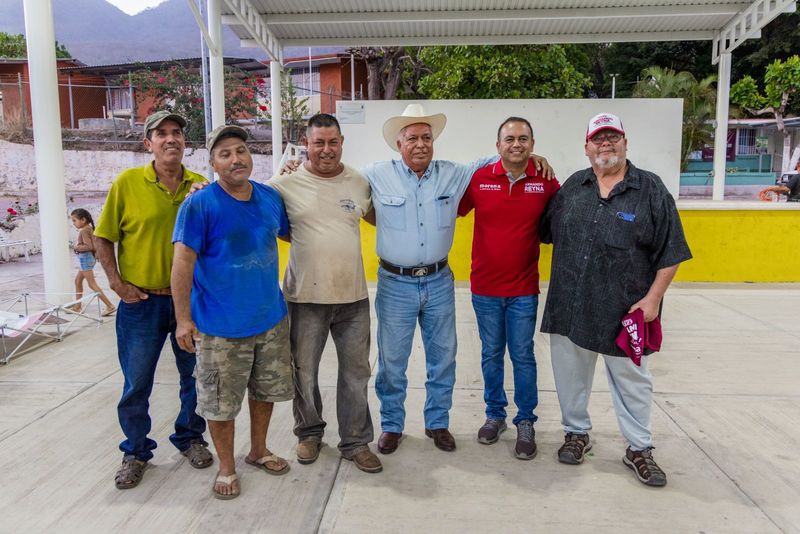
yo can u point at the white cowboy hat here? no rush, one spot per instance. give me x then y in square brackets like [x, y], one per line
[413, 114]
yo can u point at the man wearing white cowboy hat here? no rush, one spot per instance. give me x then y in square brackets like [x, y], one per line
[416, 200]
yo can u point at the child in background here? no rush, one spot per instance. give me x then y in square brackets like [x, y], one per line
[84, 248]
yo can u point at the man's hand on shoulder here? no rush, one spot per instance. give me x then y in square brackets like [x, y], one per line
[197, 186]
[290, 166]
[543, 166]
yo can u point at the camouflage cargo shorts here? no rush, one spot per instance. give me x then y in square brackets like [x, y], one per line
[262, 364]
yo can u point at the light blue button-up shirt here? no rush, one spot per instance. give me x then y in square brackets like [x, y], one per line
[416, 217]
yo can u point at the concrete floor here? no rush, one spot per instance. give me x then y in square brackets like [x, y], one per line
[726, 418]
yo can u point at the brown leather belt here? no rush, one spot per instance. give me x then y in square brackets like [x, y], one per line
[163, 291]
[420, 270]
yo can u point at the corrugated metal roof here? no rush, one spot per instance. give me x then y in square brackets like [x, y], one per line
[430, 22]
[248, 65]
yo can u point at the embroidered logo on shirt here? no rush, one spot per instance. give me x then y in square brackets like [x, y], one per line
[490, 187]
[534, 187]
[347, 205]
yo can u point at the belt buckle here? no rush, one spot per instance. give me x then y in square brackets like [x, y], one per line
[419, 271]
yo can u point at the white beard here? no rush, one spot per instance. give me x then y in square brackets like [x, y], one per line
[609, 163]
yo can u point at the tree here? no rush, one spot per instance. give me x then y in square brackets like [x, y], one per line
[414, 68]
[384, 69]
[780, 39]
[293, 111]
[781, 83]
[500, 72]
[180, 90]
[628, 60]
[15, 46]
[698, 103]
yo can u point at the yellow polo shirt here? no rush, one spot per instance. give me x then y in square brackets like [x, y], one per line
[139, 215]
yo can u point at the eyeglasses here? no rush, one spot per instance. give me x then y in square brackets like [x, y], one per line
[601, 138]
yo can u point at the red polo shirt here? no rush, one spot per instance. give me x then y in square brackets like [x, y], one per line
[505, 245]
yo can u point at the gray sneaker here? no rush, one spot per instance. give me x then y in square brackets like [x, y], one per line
[574, 448]
[526, 441]
[490, 431]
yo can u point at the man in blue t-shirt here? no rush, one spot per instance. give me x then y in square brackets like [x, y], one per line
[227, 299]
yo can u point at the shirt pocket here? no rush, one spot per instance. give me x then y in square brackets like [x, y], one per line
[446, 207]
[621, 234]
[392, 213]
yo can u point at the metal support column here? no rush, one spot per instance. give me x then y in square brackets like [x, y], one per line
[352, 77]
[215, 64]
[276, 110]
[71, 103]
[721, 131]
[48, 153]
[132, 99]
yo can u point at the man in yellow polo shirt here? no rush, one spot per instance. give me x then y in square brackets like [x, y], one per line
[139, 215]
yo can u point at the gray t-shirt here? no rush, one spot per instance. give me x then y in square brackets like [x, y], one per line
[325, 264]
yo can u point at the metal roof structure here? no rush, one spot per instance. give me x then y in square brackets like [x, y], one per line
[274, 24]
[117, 69]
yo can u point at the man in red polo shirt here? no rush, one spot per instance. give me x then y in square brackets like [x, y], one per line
[509, 198]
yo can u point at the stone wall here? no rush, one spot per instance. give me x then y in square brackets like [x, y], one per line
[88, 176]
[94, 170]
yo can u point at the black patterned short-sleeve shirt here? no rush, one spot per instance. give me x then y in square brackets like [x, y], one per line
[606, 253]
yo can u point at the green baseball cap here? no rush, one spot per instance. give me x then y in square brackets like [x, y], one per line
[219, 131]
[153, 121]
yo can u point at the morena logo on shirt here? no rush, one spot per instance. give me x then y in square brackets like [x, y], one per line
[490, 187]
[534, 188]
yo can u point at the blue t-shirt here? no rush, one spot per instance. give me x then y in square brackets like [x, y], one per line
[235, 291]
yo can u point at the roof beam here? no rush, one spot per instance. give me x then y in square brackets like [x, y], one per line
[500, 39]
[256, 25]
[747, 23]
[212, 46]
[506, 14]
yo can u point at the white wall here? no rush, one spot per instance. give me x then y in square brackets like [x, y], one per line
[653, 128]
[90, 170]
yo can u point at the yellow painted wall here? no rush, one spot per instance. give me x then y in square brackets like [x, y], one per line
[728, 246]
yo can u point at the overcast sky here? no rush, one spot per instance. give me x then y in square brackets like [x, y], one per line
[131, 7]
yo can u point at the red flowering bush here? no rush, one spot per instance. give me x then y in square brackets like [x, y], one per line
[16, 212]
[180, 90]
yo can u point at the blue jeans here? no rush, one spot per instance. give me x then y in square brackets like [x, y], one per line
[508, 321]
[142, 329]
[400, 302]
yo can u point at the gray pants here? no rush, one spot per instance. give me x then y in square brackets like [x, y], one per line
[631, 390]
[348, 324]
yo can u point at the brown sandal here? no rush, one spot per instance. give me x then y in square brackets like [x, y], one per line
[130, 473]
[645, 467]
[198, 454]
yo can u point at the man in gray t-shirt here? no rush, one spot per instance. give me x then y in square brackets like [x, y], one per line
[326, 292]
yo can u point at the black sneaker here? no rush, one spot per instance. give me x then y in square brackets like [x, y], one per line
[526, 441]
[574, 448]
[645, 467]
[491, 430]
